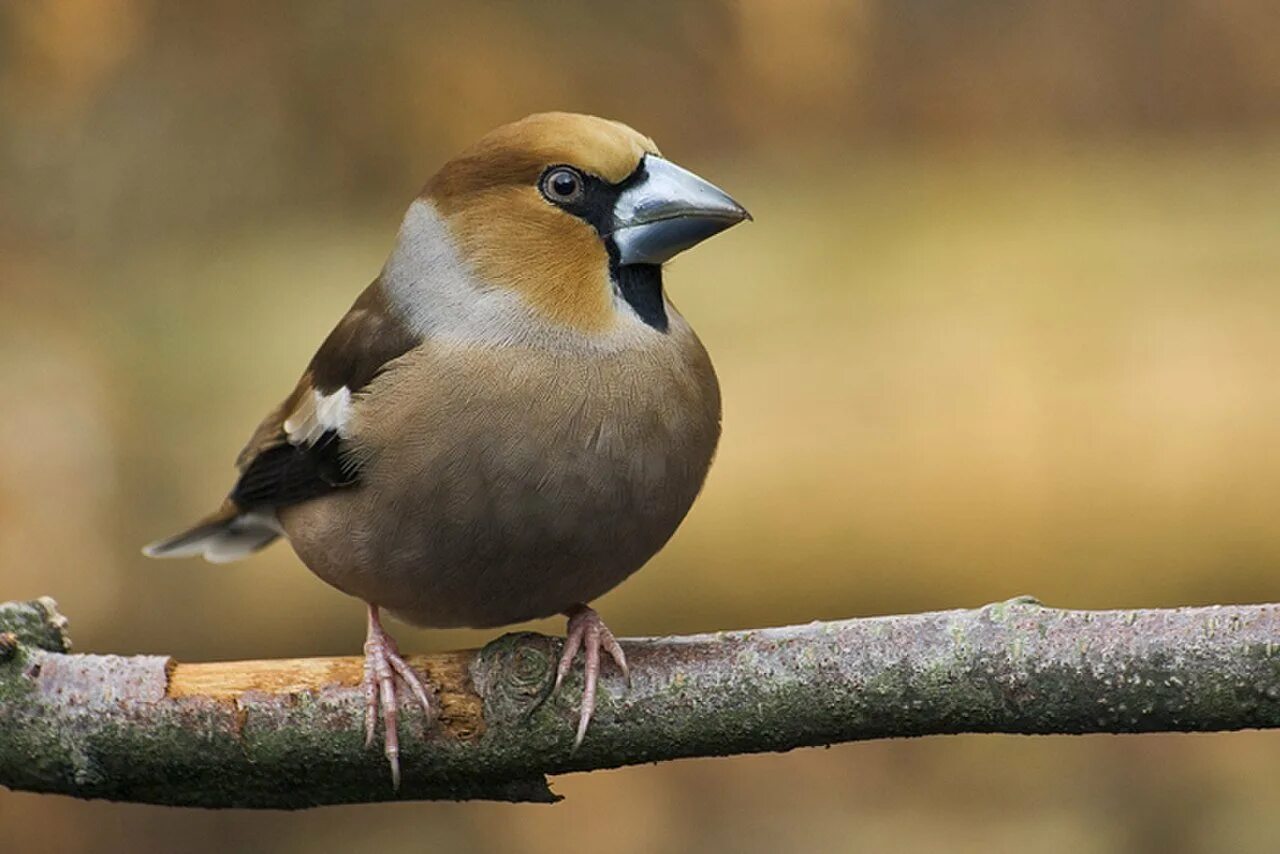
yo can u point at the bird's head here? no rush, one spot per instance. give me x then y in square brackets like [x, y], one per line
[574, 216]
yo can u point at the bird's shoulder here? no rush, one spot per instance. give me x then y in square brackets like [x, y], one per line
[301, 449]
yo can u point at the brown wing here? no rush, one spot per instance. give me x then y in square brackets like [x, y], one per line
[297, 452]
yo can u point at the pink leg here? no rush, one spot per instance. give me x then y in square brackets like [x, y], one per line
[588, 632]
[382, 663]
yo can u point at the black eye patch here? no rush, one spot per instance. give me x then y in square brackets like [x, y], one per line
[597, 199]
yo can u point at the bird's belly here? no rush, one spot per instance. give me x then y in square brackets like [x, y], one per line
[512, 507]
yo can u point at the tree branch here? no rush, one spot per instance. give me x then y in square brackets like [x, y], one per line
[289, 733]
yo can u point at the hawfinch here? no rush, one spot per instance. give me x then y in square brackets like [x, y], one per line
[512, 418]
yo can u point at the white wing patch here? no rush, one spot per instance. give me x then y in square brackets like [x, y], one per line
[318, 414]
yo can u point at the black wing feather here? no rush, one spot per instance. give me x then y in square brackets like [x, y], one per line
[287, 474]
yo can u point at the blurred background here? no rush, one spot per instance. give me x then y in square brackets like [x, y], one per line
[1006, 322]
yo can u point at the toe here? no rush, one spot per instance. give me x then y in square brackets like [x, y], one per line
[369, 687]
[591, 675]
[410, 677]
[572, 644]
[615, 652]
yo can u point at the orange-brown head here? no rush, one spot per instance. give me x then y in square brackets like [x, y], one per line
[573, 213]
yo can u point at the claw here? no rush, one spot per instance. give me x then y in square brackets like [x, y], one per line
[586, 631]
[382, 664]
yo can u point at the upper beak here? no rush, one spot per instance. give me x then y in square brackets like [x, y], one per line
[668, 210]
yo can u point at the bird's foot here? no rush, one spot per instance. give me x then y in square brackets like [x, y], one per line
[588, 632]
[382, 664]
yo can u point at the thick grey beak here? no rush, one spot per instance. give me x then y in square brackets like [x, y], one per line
[667, 211]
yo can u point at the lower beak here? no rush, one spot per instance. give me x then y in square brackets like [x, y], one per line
[667, 211]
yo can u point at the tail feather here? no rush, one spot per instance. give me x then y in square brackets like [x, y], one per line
[222, 537]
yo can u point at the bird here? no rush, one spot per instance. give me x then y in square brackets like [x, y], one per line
[511, 419]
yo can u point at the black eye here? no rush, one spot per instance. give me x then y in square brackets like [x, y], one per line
[562, 185]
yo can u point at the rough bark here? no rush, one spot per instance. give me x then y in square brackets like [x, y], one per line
[287, 734]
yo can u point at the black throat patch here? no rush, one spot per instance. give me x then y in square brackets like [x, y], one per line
[641, 286]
